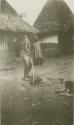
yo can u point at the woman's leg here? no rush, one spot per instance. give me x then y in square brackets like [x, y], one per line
[25, 68]
[29, 66]
[26, 63]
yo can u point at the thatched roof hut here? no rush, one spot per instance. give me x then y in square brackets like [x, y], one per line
[54, 13]
[56, 18]
[11, 21]
[12, 26]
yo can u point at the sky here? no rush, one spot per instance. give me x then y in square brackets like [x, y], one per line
[32, 8]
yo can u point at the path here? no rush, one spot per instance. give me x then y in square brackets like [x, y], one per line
[23, 104]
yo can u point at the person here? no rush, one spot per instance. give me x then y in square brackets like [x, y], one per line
[27, 57]
[38, 53]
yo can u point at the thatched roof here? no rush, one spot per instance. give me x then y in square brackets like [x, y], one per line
[11, 21]
[14, 23]
[54, 13]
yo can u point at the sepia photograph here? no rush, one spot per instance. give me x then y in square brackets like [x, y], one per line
[36, 62]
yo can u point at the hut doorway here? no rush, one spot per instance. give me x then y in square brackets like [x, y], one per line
[65, 40]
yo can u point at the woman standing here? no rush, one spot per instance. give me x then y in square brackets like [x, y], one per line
[27, 57]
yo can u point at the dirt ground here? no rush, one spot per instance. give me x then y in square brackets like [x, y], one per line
[24, 104]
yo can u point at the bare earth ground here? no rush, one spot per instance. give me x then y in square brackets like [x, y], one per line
[24, 104]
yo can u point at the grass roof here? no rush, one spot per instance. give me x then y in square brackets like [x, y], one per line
[54, 13]
[14, 23]
[11, 21]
